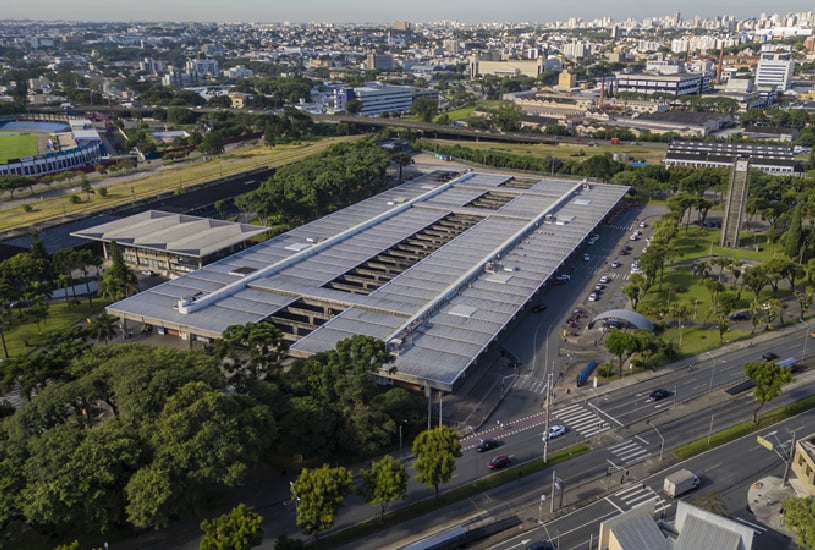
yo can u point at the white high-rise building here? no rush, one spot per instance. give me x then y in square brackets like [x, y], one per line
[774, 70]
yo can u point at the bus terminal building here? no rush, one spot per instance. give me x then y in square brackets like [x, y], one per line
[437, 268]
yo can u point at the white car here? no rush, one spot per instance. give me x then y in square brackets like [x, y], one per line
[604, 280]
[556, 431]
[147, 272]
[636, 270]
[644, 250]
[643, 224]
[593, 297]
[634, 238]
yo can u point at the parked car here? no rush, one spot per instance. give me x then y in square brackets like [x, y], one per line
[147, 272]
[541, 545]
[498, 462]
[616, 265]
[740, 316]
[556, 431]
[579, 312]
[593, 297]
[487, 445]
[770, 356]
[766, 306]
[659, 395]
[634, 238]
[605, 279]
[643, 224]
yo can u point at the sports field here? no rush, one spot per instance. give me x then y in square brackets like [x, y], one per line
[14, 145]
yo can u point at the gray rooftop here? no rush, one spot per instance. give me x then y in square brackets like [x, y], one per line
[641, 533]
[439, 314]
[172, 233]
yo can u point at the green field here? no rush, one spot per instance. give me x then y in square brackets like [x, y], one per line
[15, 146]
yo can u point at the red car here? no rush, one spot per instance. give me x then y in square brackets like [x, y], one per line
[498, 462]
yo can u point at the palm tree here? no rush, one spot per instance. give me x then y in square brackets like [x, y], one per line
[104, 327]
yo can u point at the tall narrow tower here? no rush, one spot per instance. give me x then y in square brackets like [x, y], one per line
[735, 202]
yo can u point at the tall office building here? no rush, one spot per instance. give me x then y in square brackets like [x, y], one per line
[774, 70]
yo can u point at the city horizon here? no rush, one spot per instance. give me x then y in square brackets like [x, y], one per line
[371, 12]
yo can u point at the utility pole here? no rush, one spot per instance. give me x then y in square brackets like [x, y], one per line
[789, 458]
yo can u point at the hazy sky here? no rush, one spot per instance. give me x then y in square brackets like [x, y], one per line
[470, 11]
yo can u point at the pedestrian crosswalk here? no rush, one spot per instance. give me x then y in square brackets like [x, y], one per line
[529, 383]
[635, 494]
[630, 451]
[578, 418]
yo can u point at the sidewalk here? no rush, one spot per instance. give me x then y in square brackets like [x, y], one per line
[765, 498]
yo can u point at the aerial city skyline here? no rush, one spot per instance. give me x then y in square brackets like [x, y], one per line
[374, 11]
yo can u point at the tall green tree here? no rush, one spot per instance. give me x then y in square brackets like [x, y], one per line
[793, 238]
[425, 108]
[436, 451]
[240, 529]
[318, 494]
[103, 327]
[506, 117]
[799, 516]
[620, 343]
[386, 481]
[768, 378]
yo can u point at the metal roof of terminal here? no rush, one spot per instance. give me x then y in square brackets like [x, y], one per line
[172, 233]
[438, 315]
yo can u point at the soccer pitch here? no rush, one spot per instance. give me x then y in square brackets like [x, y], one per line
[14, 146]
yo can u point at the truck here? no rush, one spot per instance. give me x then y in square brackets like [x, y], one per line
[615, 141]
[680, 482]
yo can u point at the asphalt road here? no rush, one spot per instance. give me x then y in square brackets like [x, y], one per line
[727, 470]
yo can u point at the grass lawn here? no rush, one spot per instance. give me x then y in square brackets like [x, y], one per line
[652, 154]
[468, 111]
[15, 146]
[172, 178]
[59, 316]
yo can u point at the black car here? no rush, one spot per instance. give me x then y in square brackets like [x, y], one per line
[541, 545]
[659, 395]
[487, 445]
[539, 308]
[770, 356]
[739, 316]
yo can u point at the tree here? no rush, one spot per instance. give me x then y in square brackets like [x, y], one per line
[506, 117]
[425, 108]
[386, 481]
[119, 280]
[768, 378]
[104, 327]
[620, 343]
[799, 515]
[212, 143]
[436, 451]
[87, 188]
[318, 494]
[353, 106]
[240, 529]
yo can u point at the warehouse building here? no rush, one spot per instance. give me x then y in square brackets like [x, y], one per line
[437, 268]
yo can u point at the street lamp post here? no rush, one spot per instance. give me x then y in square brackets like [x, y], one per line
[806, 337]
[662, 439]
